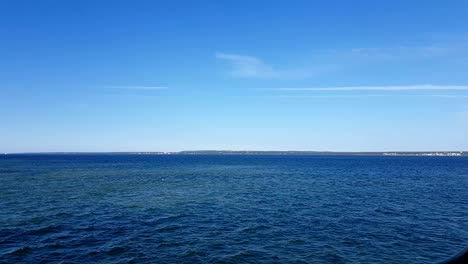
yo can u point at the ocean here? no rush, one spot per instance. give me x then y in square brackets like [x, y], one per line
[232, 209]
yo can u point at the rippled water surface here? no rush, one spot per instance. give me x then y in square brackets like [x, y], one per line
[232, 209]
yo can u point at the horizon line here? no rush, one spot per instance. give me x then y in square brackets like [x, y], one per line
[417, 87]
[234, 151]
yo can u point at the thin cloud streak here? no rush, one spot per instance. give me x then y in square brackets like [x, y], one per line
[253, 67]
[381, 88]
[374, 95]
[402, 52]
[332, 96]
[447, 96]
[140, 87]
[325, 61]
[351, 96]
[442, 48]
[246, 66]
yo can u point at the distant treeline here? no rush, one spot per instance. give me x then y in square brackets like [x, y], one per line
[247, 152]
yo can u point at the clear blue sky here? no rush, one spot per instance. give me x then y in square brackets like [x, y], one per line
[260, 75]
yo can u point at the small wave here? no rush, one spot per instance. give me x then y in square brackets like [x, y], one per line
[7, 232]
[171, 218]
[20, 251]
[166, 219]
[116, 251]
[384, 211]
[55, 246]
[333, 257]
[113, 251]
[7, 171]
[192, 253]
[42, 231]
[242, 256]
[164, 245]
[170, 228]
[253, 229]
[62, 215]
[297, 241]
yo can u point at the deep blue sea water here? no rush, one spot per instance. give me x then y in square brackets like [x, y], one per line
[232, 209]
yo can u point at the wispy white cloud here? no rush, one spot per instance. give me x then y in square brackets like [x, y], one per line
[324, 61]
[351, 96]
[246, 66]
[250, 66]
[401, 52]
[140, 87]
[447, 96]
[454, 49]
[332, 96]
[426, 87]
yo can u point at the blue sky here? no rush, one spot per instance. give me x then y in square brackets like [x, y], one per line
[260, 75]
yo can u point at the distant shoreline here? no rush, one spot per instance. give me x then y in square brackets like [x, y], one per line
[247, 152]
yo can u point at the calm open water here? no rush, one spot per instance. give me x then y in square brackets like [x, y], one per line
[232, 209]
